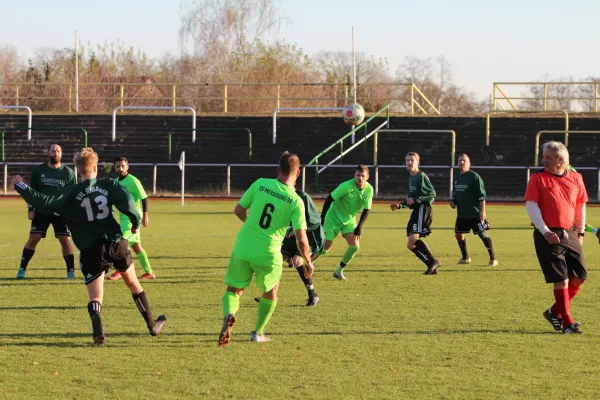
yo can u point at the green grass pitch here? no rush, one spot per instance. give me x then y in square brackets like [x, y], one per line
[471, 332]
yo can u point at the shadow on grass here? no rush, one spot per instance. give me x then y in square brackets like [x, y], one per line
[22, 308]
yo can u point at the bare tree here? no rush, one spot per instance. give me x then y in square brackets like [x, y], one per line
[11, 64]
[218, 27]
[434, 79]
[555, 94]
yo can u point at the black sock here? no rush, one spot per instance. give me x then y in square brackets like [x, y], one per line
[463, 248]
[94, 309]
[423, 250]
[420, 256]
[26, 257]
[308, 282]
[487, 241]
[342, 264]
[70, 261]
[141, 301]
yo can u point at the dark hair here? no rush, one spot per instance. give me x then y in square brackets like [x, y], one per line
[415, 155]
[362, 168]
[465, 155]
[119, 159]
[50, 147]
[289, 163]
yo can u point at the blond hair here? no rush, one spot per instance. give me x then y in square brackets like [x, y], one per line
[85, 160]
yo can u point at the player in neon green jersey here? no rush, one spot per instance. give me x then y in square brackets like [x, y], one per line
[135, 188]
[266, 209]
[339, 212]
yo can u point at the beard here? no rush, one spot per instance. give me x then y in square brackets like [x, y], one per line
[54, 160]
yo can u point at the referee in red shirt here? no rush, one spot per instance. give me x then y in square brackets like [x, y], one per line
[555, 201]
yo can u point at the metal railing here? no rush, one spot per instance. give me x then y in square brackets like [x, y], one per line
[340, 141]
[83, 131]
[578, 96]
[248, 131]
[114, 117]
[229, 167]
[211, 97]
[509, 112]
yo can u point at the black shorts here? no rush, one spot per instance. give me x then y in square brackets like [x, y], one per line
[563, 260]
[316, 242]
[466, 225]
[98, 258]
[41, 222]
[420, 221]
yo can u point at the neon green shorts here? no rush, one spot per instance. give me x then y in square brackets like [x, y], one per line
[332, 229]
[239, 274]
[132, 238]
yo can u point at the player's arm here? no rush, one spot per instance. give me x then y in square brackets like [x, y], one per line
[145, 216]
[580, 208]
[453, 197]
[140, 193]
[34, 183]
[368, 203]
[240, 212]
[241, 208]
[532, 198]
[481, 196]
[72, 180]
[55, 203]
[328, 202]
[400, 204]
[427, 192]
[123, 201]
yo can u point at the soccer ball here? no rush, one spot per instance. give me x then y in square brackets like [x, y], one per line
[354, 114]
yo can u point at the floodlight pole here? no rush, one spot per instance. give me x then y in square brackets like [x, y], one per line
[76, 72]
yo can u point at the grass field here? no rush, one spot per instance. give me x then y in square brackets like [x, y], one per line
[471, 332]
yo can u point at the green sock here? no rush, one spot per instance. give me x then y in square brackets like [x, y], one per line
[231, 303]
[349, 254]
[265, 310]
[143, 259]
[339, 269]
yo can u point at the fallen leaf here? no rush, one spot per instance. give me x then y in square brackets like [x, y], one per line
[55, 373]
[158, 373]
[36, 363]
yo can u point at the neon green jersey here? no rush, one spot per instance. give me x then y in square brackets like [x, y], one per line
[272, 205]
[136, 190]
[348, 201]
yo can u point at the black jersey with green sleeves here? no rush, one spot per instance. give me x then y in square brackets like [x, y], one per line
[467, 193]
[50, 180]
[420, 189]
[87, 208]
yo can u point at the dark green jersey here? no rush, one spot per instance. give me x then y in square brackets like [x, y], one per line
[420, 189]
[50, 180]
[467, 193]
[311, 214]
[86, 208]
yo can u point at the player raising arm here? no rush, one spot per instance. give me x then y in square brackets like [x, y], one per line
[86, 207]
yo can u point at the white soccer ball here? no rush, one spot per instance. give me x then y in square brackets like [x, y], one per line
[354, 114]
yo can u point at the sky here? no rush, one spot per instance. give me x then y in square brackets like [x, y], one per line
[484, 41]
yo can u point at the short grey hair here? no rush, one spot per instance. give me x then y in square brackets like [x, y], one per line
[559, 149]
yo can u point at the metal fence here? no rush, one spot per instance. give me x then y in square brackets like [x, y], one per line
[222, 98]
[389, 181]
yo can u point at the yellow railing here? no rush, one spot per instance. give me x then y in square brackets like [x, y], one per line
[581, 96]
[239, 98]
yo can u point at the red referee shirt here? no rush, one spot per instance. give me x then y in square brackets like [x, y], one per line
[557, 196]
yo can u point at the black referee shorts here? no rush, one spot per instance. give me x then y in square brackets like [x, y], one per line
[563, 260]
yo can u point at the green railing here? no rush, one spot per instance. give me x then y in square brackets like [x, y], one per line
[175, 130]
[44, 129]
[340, 141]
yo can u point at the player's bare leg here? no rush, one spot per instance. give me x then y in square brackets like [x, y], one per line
[266, 307]
[462, 244]
[28, 251]
[231, 303]
[141, 301]
[423, 253]
[67, 251]
[96, 295]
